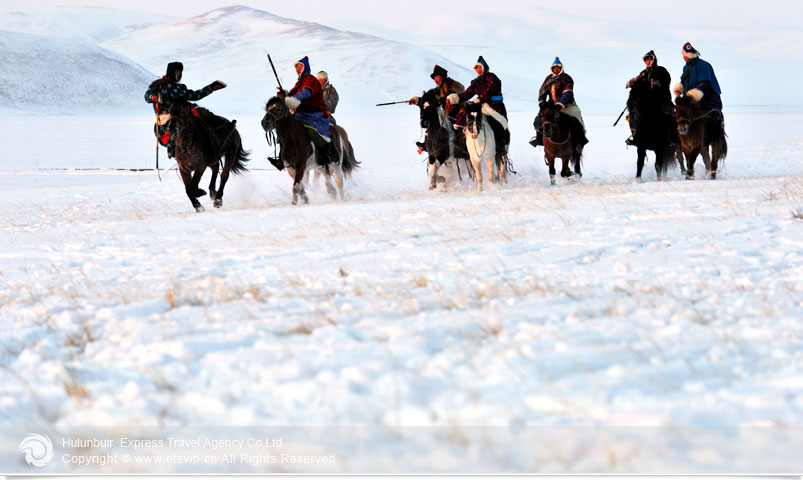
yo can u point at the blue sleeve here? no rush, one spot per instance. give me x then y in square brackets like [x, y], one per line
[303, 94]
[567, 97]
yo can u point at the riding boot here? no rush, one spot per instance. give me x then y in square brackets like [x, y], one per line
[538, 140]
[632, 139]
[421, 146]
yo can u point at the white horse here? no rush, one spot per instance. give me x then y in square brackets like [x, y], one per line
[482, 145]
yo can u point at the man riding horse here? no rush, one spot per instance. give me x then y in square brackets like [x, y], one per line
[166, 90]
[446, 86]
[654, 80]
[699, 81]
[559, 87]
[330, 96]
[488, 89]
[305, 99]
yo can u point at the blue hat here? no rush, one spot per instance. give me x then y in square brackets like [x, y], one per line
[689, 51]
[649, 54]
[481, 61]
[557, 63]
[304, 61]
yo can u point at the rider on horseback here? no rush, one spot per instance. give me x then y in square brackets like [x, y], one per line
[559, 87]
[488, 89]
[699, 81]
[305, 99]
[330, 96]
[166, 90]
[655, 80]
[446, 86]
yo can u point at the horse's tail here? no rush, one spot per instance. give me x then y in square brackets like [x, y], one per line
[720, 145]
[350, 162]
[240, 155]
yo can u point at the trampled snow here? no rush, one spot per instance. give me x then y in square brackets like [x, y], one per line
[600, 325]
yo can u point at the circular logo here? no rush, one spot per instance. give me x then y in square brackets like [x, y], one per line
[38, 449]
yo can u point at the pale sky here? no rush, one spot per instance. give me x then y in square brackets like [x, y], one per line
[407, 18]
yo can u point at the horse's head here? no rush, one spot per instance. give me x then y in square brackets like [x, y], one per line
[684, 112]
[549, 112]
[428, 105]
[474, 119]
[275, 111]
[179, 112]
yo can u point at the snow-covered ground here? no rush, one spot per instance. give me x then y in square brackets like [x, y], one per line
[603, 303]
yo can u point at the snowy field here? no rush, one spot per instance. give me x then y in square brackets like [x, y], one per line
[598, 303]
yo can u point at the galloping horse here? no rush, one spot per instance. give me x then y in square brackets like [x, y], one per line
[698, 131]
[655, 130]
[481, 144]
[560, 140]
[201, 139]
[440, 136]
[298, 151]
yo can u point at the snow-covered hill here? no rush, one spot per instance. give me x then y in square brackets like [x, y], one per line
[231, 44]
[51, 74]
[88, 24]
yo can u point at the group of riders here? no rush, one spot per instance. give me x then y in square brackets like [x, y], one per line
[313, 99]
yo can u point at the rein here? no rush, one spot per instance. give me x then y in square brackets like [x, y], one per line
[568, 137]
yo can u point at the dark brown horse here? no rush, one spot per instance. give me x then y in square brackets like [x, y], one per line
[298, 151]
[202, 139]
[562, 138]
[698, 131]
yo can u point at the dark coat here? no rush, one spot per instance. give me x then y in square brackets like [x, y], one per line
[330, 97]
[488, 88]
[658, 81]
[167, 92]
[560, 88]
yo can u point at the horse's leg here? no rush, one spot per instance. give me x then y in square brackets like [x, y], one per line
[298, 184]
[193, 187]
[660, 162]
[710, 171]
[337, 171]
[502, 168]
[433, 175]
[186, 177]
[224, 177]
[493, 173]
[642, 155]
[691, 157]
[550, 160]
[679, 158]
[213, 194]
[475, 162]
[565, 171]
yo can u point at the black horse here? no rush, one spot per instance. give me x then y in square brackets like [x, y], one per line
[441, 142]
[699, 130]
[656, 130]
[563, 137]
[202, 139]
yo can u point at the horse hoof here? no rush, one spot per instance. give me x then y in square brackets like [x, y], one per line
[200, 193]
[199, 208]
[218, 203]
[431, 186]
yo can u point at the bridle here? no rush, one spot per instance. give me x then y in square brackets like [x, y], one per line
[544, 124]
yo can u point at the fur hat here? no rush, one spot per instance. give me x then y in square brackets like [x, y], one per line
[557, 63]
[689, 51]
[438, 70]
[304, 61]
[172, 68]
[481, 61]
[649, 54]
